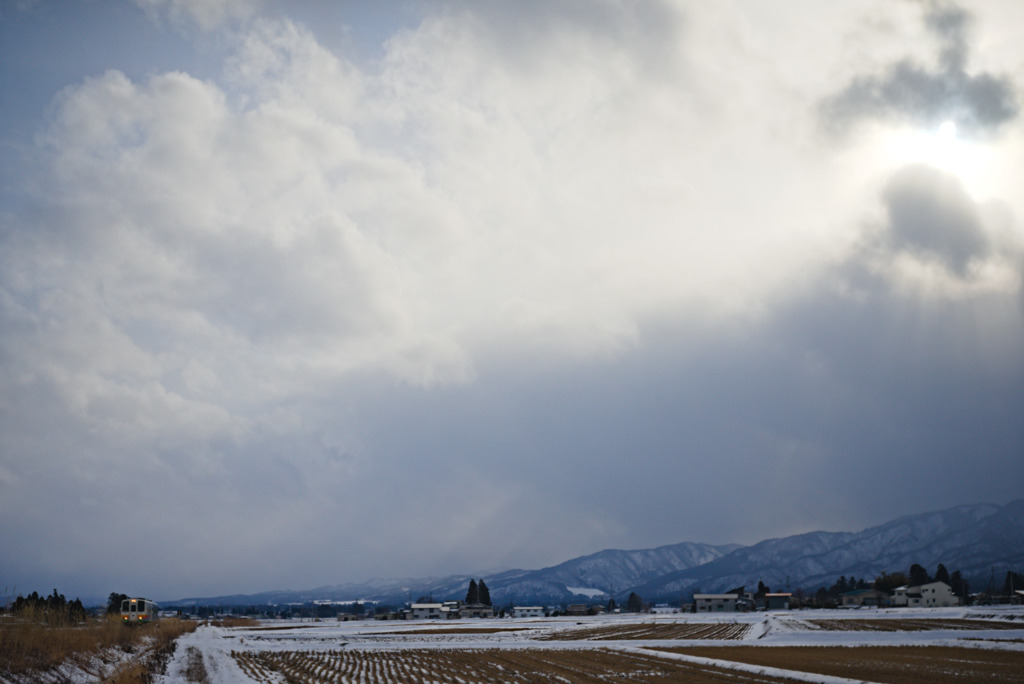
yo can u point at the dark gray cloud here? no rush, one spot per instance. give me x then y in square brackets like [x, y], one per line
[909, 91]
[931, 215]
[950, 25]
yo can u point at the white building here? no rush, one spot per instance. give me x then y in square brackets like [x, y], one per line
[931, 595]
[428, 611]
[528, 611]
[938, 595]
[909, 597]
[715, 603]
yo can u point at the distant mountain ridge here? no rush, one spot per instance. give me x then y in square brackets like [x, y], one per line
[975, 539]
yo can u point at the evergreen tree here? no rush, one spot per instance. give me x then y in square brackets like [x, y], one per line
[960, 586]
[840, 587]
[56, 603]
[762, 589]
[941, 574]
[635, 604]
[76, 611]
[918, 575]
[114, 602]
[484, 592]
[473, 595]
[1014, 582]
[885, 582]
[611, 605]
[28, 603]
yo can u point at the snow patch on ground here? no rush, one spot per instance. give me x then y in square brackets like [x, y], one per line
[782, 628]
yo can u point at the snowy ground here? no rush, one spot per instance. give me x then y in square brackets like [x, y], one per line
[792, 628]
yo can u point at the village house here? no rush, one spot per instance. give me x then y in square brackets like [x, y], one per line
[428, 611]
[528, 611]
[865, 597]
[931, 595]
[906, 597]
[476, 610]
[938, 595]
[715, 603]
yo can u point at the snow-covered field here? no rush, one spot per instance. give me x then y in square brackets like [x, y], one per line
[382, 645]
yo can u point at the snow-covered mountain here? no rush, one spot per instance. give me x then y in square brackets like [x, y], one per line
[979, 540]
[604, 573]
[976, 540]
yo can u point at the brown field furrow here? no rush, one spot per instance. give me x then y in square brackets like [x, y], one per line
[696, 630]
[899, 665]
[573, 666]
[908, 625]
[891, 664]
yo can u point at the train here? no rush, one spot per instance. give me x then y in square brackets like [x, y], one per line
[139, 610]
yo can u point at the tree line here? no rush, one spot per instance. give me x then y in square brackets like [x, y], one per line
[888, 582]
[55, 609]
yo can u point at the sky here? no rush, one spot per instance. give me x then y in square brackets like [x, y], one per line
[304, 293]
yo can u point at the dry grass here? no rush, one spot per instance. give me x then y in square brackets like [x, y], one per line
[195, 668]
[676, 630]
[892, 664]
[29, 646]
[575, 666]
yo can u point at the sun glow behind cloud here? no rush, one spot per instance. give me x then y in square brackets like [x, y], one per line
[941, 147]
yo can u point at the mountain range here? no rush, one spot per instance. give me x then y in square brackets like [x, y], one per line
[982, 541]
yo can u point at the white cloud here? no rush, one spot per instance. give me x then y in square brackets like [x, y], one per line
[520, 250]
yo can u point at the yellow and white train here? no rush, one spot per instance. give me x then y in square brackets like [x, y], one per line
[139, 610]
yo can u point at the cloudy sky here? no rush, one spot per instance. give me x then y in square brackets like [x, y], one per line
[303, 293]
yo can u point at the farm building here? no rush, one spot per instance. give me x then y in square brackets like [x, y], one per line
[715, 603]
[938, 595]
[909, 597]
[528, 611]
[865, 597]
[931, 595]
[476, 610]
[777, 601]
[428, 611]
